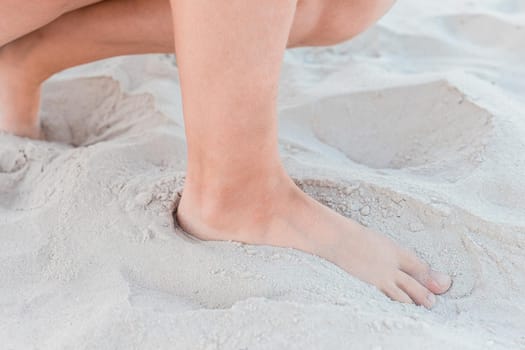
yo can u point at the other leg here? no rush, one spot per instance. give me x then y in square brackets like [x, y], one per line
[19, 17]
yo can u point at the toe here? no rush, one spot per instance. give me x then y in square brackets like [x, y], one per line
[415, 290]
[439, 282]
[414, 267]
[397, 294]
[436, 282]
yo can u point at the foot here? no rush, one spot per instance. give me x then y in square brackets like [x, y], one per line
[19, 93]
[280, 214]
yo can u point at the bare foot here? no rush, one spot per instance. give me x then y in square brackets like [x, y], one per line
[19, 93]
[280, 214]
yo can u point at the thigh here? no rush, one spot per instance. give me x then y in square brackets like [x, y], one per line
[70, 5]
[328, 22]
[19, 17]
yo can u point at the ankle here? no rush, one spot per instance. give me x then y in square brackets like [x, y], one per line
[232, 205]
[19, 62]
[19, 92]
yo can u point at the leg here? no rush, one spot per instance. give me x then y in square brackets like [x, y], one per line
[120, 27]
[107, 29]
[236, 187]
[25, 16]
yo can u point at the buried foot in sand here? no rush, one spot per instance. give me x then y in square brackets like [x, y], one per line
[274, 211]
[236, 187]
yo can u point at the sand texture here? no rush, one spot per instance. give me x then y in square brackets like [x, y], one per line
[415, 128]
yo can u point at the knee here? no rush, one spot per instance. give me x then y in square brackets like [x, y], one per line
[341, 20]
[65, 6]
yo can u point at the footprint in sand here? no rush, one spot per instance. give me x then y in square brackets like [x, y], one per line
[82, 112]
[484, 30]
[435, 130]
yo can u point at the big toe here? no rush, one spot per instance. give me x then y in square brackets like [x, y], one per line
[439, 282]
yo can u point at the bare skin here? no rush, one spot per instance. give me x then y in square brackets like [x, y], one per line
[22, 17]
[231, 192]
[110, 28]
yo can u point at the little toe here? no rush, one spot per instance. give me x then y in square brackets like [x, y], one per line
[415, 290]
[397, 294]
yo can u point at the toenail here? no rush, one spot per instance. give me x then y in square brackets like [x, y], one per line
[441, 279]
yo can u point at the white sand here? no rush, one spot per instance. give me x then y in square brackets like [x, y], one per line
[415, 128]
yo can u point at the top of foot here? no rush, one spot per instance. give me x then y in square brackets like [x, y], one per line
[285, 216]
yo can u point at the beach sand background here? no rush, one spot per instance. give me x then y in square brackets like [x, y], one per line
[415, 128]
